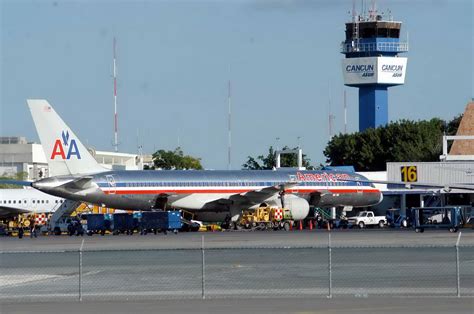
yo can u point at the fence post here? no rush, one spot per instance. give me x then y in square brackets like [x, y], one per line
[330, 265]
[458, 280]
[80, 271]
[203, 273]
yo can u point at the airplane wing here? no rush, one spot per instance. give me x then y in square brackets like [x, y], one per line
[409, 185]
[9, 211]
[252, 197]
[263, 194]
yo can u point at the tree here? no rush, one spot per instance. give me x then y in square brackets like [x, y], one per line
[398, 141]
[269, 161]
[453, 125]
[175, 160]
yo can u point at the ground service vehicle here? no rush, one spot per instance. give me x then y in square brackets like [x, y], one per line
[367, 218]
[266, 217]
[396, 219]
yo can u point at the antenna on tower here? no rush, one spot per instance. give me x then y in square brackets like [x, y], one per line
[354, 14]
[373, 11]
[115, 144]
[229, 148]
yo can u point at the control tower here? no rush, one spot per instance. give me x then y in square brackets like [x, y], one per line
[372, 64]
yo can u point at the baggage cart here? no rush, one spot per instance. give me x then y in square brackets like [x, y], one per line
[437, 218]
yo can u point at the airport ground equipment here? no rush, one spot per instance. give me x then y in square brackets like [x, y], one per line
[266, 217]
[160, 221]
[96, 224]
[469, 223]
[437, 218]
[189, 224]
[122, 223]
[20, 222]
[324, 213]
[367, 218]
[57, 222]
[395, 219]
[321, 218]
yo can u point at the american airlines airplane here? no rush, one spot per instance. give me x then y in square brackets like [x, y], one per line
[27, 201]
[77, 176]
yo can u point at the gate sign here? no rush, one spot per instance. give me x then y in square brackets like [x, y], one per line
[409, 173]
[374, 70]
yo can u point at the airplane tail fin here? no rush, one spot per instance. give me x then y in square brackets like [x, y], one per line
[64, 152]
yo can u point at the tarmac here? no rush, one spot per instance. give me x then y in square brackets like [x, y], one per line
[243, 239]
[387, 305]
[372, 271]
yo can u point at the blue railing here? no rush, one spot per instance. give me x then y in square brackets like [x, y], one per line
[374, 47]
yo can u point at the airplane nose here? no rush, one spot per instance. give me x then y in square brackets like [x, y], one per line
[380, 197]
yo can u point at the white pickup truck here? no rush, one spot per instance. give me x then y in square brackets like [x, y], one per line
[367, 218]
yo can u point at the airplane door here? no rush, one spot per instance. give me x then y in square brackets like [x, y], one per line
[111, 182]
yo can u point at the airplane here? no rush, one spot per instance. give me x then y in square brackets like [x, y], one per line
[26, 201]
[76, 175]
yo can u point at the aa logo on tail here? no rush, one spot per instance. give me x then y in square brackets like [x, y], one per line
[60, 147]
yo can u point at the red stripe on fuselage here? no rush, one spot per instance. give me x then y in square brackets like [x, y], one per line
[234, 191]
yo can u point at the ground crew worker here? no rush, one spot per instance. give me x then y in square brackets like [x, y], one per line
[33, 228]
[20, 231]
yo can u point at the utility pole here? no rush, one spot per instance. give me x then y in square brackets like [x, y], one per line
[229, 148]
[115, 100]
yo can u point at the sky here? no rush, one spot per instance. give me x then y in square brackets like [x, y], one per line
[174, 60]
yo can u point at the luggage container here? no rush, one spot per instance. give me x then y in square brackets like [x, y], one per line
[122, 223]
[96, 224]
[160, 221]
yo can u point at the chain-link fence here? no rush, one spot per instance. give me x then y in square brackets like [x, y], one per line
[238, 272]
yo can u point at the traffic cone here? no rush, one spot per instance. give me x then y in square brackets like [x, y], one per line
[310, 225]
[301, 225]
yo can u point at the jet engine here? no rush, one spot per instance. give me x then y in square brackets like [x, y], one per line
[298, 206]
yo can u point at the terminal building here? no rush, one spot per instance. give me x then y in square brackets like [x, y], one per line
[456, 166]
[17, 155]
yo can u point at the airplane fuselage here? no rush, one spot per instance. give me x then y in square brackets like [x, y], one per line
[211, 189]
[19, 201]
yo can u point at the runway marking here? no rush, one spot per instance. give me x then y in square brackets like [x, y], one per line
[18, 279]
[242, 266]
[13, 280]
